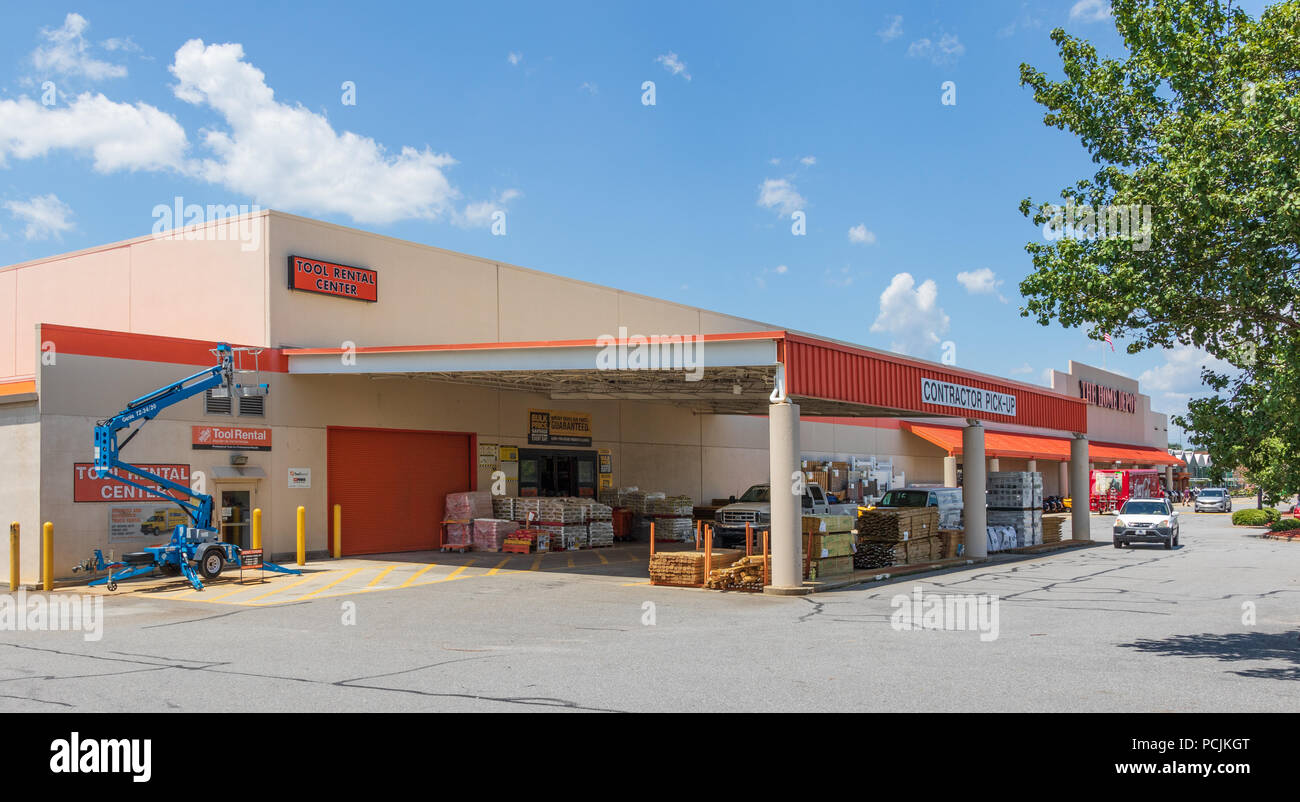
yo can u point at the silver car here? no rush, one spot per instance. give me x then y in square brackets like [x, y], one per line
[1214, 499]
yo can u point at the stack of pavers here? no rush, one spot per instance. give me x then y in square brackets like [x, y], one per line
[828, 546]
[503, 507]
[563, 521]
[897, 536]
[673, 516]
[1015, 499]
[600, 525]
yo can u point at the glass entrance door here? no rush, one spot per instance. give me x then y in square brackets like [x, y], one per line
[237, 517]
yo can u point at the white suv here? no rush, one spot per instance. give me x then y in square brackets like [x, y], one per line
[1146, 520]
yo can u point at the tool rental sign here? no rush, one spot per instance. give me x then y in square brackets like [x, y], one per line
[327, 278]
[238, 438]
[974, 399]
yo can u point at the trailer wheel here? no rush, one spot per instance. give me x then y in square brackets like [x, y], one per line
[112, 586]
[211, 563]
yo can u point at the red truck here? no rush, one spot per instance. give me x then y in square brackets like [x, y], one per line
[1111, 488]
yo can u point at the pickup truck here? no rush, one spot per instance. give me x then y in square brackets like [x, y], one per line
[754, 507]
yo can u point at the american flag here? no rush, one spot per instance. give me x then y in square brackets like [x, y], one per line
[1106, 336]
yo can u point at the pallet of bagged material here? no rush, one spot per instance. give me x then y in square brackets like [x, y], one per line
[830, 544]
[830, 567]
[686, 567]
[827, 523]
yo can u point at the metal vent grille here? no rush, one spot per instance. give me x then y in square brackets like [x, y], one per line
[252, 405]
[215, 406]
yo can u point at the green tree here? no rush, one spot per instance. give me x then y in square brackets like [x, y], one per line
[1197, 128]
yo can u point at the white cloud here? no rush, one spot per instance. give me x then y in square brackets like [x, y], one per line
[480, 214]
[123, 44]
[808, 161]
[1024, 370]
[1181, 372]
[1090, 11]
[118, 136]
[67, 53]
[910, 315]
[981, 282]
[780, 194]
[590, 88]
[673, 64]
[1046, 376]
[774, 161]
[45, 216]
[290, 157]
[860, 235]
[514, 58]
[841, 280]
[761, 278]
[948, 49]
[894, 30]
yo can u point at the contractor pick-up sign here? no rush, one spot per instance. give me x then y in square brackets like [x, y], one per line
[344, 281]
[231, 438]
[975, 399]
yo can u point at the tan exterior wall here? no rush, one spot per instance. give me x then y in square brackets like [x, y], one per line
[201, 288]
[1143, 427]
[429, 295]
[20, 462]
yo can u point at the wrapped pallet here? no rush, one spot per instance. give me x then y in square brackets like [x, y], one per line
[468, 506]
[490, 533]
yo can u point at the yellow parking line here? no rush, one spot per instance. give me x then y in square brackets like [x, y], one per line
[281, 588]
[498, 566]
[417, 574]
[603, 561]
[457, 572]
[537, 563]
[570, 562]
[224, 595]
[382, 574]
[329, 585]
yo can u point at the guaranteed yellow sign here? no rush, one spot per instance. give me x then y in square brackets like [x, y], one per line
[558, 427]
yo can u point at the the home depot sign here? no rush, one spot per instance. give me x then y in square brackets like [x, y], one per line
[1108, 397]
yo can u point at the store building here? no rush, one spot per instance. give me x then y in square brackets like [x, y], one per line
[400, 372]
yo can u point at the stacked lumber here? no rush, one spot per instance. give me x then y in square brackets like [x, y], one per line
[902, 523]
[950, 541]
[1052, 528]
[830, 567]
[827, 523]
[686, 567]
[744, 574]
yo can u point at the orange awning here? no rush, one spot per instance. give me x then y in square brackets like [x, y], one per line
[1039, 446]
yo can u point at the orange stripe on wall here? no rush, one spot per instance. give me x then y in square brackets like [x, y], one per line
[17, 386]
[145, 347]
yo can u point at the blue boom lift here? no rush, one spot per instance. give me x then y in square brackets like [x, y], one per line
[195, 550]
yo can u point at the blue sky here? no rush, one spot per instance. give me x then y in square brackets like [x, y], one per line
[912, 237]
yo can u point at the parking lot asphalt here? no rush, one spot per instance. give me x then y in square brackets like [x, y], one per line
[1212, 625]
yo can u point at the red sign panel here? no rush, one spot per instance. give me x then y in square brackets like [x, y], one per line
[313, 275]
[87, 486]
[232, 438]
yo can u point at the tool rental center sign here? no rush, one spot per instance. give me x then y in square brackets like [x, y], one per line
[88, 486]
[974, 399]
[327, 278]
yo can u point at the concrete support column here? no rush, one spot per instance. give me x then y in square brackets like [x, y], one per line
[993, 465]
[787, 508]
[1063, 479]
[1169, 478]
[949, 471]
[1032, 466]
[975, 511]
[1079, 490]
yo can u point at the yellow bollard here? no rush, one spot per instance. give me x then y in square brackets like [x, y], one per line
[13, 556]
[47, 557]
[302, 535]
[338, 531]
[257, 527]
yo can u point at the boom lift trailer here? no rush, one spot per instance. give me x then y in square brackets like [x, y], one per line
[195, 550]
